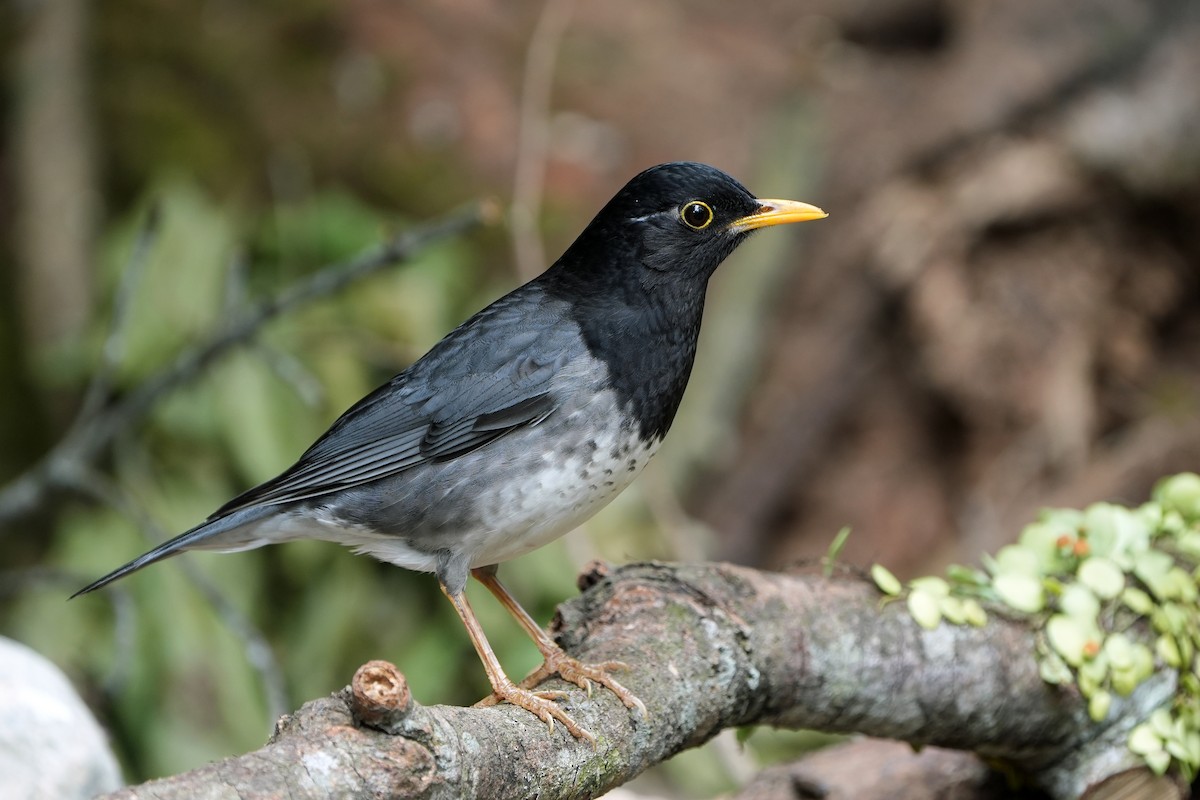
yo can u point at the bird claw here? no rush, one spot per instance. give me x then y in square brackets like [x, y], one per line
[495, 698]
[584, 675]
[542, 705]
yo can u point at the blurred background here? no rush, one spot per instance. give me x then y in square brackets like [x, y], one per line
[1002, 311]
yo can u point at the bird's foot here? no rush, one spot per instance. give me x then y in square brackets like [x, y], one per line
[584, 675]
[541, 704]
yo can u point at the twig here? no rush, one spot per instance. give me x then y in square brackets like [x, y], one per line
[110, 355]
[125, 627]
[533, 136]
[291, 371]
[90, 437]
[258, 651]
[236, 292]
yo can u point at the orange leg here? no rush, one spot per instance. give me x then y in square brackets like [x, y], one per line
[540, 703]
[557, 661]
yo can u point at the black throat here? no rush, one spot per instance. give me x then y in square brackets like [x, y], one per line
[635, 280]
[644, 331]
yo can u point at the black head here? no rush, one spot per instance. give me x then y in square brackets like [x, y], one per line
[635, 278]
[674, 223]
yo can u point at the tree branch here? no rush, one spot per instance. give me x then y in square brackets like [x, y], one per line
[713, 646]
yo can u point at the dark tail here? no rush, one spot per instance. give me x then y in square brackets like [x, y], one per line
[206, 535]
[164, 550]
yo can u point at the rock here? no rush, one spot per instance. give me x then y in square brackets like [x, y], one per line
[50, 744]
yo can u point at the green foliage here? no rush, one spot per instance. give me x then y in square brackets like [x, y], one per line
[1113, 593]
[931, 599]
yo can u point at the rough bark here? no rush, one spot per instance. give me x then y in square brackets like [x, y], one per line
[713, 646]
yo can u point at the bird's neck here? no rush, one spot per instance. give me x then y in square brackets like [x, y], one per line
[645, 334]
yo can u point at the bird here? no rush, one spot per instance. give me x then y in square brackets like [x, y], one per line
[522, 422]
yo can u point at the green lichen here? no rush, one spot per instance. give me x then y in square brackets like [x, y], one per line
[596, 774]
[1089, 582]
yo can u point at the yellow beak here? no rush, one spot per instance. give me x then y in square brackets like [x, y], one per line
[777, 212]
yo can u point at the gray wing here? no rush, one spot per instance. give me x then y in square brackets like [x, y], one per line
[489, 376]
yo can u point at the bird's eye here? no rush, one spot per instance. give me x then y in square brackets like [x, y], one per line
[696, 214]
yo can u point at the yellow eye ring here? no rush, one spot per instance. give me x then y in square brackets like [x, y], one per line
[696, 214]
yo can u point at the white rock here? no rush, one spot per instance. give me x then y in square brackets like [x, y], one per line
[50, 744]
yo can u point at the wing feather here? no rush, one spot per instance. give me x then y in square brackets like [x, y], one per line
[472, 388]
